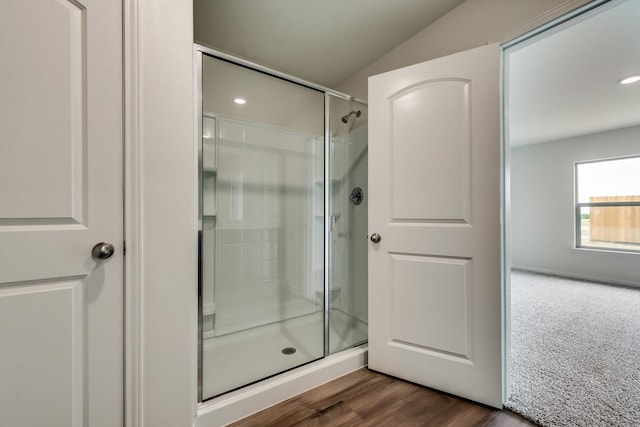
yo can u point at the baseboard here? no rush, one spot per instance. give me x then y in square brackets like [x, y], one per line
[241, 403]
[571, 275]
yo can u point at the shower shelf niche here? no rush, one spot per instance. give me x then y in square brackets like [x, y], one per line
[208, 309]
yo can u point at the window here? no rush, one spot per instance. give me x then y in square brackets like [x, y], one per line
[608, 204]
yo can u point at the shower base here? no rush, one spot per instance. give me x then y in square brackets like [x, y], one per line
[234, 360]
[238, 404]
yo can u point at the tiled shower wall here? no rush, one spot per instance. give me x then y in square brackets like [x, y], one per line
[268, 224]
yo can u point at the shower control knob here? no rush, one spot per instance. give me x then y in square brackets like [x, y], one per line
[375, 238]
[102, 250]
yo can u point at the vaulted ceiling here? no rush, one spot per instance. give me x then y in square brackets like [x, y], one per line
[321, 41]
[562, 84]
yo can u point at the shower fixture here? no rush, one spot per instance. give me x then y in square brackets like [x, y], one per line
[345, 119]
[356, 196]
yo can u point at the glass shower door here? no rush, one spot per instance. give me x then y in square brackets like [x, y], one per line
[262, 250]
[348, 287]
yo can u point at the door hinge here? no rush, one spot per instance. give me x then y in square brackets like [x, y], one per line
[124, 248]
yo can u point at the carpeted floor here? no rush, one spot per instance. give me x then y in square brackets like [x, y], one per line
[575, 352]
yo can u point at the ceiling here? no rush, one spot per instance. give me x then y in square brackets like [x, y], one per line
[566, 83]
[321, 41]
[560, 85]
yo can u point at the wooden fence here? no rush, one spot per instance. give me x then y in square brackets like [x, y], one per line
[615, 224]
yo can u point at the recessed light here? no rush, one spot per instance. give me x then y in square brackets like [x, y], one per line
[629, 80]
[240, 101]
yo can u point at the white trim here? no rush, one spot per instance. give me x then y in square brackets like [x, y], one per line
[505, 229]
[569, 275]
[162, 259]
[132, 218]
[196, 84]
[590, 250]
[248, 400]
[540, 20]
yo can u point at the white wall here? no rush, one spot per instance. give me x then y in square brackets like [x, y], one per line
[161, 260]
[542, 208]
[472, 24]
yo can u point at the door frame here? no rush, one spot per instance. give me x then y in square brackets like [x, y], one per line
[505, 174]
[159, 164]
[132, 217]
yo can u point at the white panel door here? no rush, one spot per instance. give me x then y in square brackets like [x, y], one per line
[61, 310]
[434, 185]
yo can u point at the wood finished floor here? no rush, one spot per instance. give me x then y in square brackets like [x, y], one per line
[367, 398]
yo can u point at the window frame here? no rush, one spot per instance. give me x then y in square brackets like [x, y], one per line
[579, 205]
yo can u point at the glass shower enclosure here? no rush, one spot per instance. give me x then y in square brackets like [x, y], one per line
[282, 223]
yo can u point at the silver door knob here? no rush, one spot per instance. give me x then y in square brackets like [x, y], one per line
[375, 238]
[102, 250]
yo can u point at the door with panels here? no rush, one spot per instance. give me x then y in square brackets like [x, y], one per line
[61, 213]
[434, 224]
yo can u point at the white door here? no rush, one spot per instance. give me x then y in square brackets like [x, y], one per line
[434, 186]
[61, 310]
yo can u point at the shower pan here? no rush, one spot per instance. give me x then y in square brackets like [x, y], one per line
[283, 249]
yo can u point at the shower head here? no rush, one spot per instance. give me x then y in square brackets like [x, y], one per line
[345, 119]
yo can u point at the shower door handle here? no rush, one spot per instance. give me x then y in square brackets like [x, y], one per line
[375, 238]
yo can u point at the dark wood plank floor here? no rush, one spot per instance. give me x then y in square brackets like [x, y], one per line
[367, 398]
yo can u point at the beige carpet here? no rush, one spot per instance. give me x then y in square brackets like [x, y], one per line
[575, 352]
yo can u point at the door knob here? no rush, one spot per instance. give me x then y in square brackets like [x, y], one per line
[375, 238]
[102, 250]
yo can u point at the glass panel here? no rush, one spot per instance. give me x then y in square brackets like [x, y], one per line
[262, 238]
[616, 227]
[349, 201]
[608, 180]
[617, 182]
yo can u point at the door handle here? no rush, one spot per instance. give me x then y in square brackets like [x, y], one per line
[375, 238]
[102, 250]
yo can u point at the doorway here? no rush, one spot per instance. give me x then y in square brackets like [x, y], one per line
[566, 106]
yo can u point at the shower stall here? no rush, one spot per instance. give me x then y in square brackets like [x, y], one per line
[283, 223]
